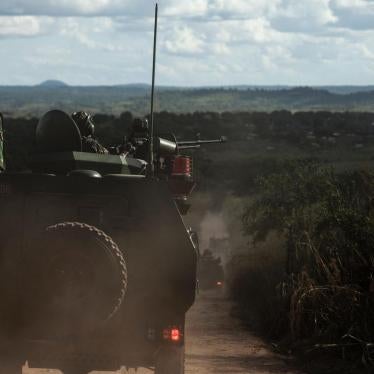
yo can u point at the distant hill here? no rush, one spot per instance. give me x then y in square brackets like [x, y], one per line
[34, 101]
[332, 89]
[51, 83]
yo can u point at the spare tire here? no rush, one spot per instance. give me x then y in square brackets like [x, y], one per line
[80, 279]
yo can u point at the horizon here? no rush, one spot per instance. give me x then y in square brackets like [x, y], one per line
[56, 83]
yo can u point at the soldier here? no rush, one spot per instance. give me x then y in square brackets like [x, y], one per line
[87, 128]
[136, 144]
[139, 138]
[140, 127]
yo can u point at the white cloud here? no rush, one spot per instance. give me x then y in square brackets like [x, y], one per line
[219, 49]
[189, 8]
[259, 31]
[184, 41]
[85, 32]
[366, 52]
[201, 41]
[76, 7]
[22, 26]
[240, 9]
[301, 16]
[354, 14]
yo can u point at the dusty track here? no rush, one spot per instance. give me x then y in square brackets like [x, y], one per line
[217, 343]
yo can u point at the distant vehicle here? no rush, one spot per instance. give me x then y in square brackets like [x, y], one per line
[210, 271]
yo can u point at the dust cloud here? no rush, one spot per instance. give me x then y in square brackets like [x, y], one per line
[212, 226]
[214, 235]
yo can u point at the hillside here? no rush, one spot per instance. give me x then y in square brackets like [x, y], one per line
[51, 83]
[34, 101]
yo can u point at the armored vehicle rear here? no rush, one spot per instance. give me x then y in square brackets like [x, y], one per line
[97, 269]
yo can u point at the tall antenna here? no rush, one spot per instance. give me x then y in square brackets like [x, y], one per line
[151, 166]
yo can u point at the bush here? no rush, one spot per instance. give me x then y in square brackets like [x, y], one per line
[255, 283]
[327, 221]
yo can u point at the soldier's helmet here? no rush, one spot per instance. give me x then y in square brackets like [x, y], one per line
[84, 122]
[140, 125]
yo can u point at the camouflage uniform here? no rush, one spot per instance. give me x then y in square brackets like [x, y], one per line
[89, 144]
[86, 128]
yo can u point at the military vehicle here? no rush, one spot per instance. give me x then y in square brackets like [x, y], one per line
[210, 271]
[97, 269]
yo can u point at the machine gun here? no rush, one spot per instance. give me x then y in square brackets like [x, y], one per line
[165, 147]
[178, 168]
[169, 161]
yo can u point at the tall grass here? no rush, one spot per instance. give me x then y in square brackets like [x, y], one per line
[255, 281]
[326, 297]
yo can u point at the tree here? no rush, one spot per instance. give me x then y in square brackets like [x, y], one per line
[328, 222]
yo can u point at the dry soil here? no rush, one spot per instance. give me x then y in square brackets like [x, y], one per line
[218, 343]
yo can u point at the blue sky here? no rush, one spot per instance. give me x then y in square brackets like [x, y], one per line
[201, 42]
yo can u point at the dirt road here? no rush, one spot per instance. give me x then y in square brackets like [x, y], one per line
[217, 343]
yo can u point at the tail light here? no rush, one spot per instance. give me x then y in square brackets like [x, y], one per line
[173, 334]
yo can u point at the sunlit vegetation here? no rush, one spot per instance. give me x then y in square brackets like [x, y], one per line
[317, 280]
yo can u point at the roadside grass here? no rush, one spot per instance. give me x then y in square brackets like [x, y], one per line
[255, 283]
[313, 282]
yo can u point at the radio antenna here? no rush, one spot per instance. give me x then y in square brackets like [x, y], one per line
[151, 166]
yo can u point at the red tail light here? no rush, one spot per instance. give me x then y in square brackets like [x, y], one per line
[174, 334]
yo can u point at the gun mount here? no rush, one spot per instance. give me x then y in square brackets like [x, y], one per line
[178, 168]
[59, 151]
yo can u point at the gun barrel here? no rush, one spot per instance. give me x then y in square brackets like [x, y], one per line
[167, 147]
[193, 146]
[183, 143]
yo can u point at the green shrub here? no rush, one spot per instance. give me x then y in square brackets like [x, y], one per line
[327, 220]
